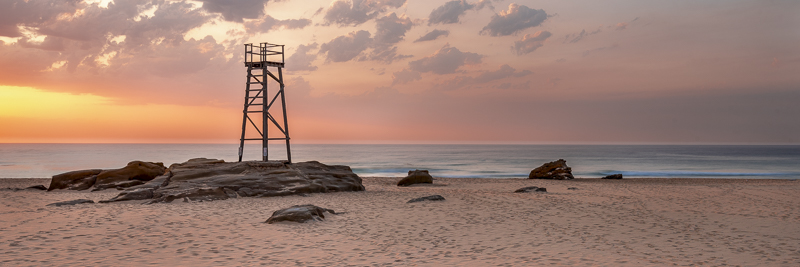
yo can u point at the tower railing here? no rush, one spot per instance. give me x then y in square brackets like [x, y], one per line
[264, 54]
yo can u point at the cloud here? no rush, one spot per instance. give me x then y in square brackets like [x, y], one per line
[391, 28]
[405, 76]
[433, 35]
[505, 71]
[346, 47]
[623, 25]
[575, 37]
[237, 10]
[32, 13]
[115, 51]
[484, 3]
[384, 54]
[269, 23]
[50, 43]
[446, 60]
[302, 59]
[604, 48]
[530, 42]
[515, 19]
[93, 26]
[171, 21]
[356, 12]
[450, 12]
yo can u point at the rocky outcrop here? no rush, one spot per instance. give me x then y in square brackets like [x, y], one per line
[557, 170]
[210, 179]
[132, 194]
[134, 171]
[531, 189]
[416, 177]
[74, 180]
[613, 176]
[428, 198]
[71, 202]
[299, 213]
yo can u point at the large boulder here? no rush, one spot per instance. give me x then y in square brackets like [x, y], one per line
[416, 177]
[209, 179]
[134, 171]
[557, 170]
[613, 176]
[299, 213]
[74, 180]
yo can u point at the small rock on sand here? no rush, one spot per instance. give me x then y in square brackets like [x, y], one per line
[71, 202]
[428, 198]
[299, 213]
[613, 176]
[531, 189]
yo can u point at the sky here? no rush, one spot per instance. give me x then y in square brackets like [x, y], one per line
[405, 71]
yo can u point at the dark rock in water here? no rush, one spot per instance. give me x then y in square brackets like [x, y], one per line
[613, 176]
[135, 170]
[37, 187]
[531, 189]
[557, 170]
[299, 213]
[71, 202]
[428, 198]
[74, 180]
[416, 177]
[210, 179]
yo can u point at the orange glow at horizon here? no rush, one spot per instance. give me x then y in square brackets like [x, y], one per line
[33, 115]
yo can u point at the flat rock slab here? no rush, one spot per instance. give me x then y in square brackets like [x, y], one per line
[71, 202]
[531, 189]
[210, 179]
[613, 176]
[35, 187]
[428, 198]
[300, 214]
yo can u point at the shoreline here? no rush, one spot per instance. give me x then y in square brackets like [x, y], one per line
[628, 222]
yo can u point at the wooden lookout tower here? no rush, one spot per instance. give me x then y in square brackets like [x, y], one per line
[259, 104]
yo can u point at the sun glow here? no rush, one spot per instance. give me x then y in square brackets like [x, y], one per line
[33, 115]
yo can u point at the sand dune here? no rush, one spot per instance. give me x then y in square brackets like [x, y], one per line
[629, 222]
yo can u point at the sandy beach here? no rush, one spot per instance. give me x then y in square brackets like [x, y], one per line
[629, 222]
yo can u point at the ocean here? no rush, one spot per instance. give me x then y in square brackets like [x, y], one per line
[465, 161]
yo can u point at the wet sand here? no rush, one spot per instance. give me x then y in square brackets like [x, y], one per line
[629, 222]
